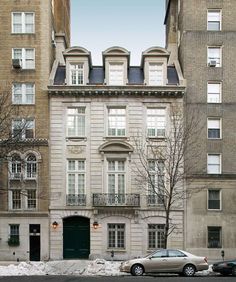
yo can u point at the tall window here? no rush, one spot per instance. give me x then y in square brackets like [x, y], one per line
[26, 57]
[116, 236]
[116, 177]
[14, 230]
[214, 199]
[156, 74]
[214, 56]
[214, 128]
[76, 122]
[23, 128]
[31, 167]
[213, 164]
[156, 236]
[156, 122]
[15, 167]
[214, 20]
[213, 92]
[16, 199]
[22, 22]
[76, 177]
[23, 93]
[116, 74]
[116, 121]
[31, 199]
[77, 74]
[214, 237]
[156, 182]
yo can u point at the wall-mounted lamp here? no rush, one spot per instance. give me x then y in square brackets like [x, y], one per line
[54, 225]
[95, 225]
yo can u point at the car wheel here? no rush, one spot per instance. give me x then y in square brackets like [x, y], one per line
[234, 271]
[137, 270]
[189, 270]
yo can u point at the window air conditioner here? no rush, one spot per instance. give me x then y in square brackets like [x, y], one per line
[16, 63]
[212, 63]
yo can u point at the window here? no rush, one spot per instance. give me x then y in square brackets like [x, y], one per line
[22, 199]
[22, 22]
[76, 182]
[214, 164]
[155, 182]
[214, 20]
[213, 92]
[116, 74]
[156, 236]
[31, 167]
[156, 122]
[23, 128]
[116, 236]
[26, 57]
[16, 199]
[31, 199]
[76, 122]
[116, 121]
[214, 237]
[214, 128]
[15, 167]
[14, 235]
[155, 74]
[214, 199]
[76, 74]
[214, 57]
[116, 181]
[23, 93]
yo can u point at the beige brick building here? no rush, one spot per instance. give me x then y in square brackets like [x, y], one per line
[29, 30]
[202, 34]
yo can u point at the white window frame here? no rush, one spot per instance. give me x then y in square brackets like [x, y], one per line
[15, 167]
[21, 93]
[30, 200]
[119, 170]
[156, 74]
[24, 125]
[114, 227]
[220, 200]
[217, 19]
[211, 164]
[216, 99]
[156, 122]
[31, 168]
[214, 124]
[78, 122]
[79, 170]
[217, 59]
[23, 22]
[156, 236]
[116, 121]
[76, 74]
[116, 73]
[27, 62]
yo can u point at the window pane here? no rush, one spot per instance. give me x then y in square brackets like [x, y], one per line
[214, 237]
[214, 164]
[214, 199]
[29, 22]
[17, 23]
[156, 236]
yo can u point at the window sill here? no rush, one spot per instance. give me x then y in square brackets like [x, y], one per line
[23, 33]
[76, 139]
[116, 250]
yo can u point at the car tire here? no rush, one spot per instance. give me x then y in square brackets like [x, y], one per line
[189, 270]
[137, 270]
[234, 271]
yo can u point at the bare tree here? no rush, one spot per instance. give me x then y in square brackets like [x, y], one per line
[160, 167]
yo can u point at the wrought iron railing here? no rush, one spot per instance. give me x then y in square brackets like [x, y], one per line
[126, 200]
[76, 199]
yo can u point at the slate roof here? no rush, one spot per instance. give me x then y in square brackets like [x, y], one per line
[97, 75]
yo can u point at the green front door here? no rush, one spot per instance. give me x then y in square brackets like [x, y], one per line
[76, 237]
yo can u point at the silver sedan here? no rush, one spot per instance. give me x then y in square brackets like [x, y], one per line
[166, 261]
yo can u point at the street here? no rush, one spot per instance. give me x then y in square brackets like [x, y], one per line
[114, 279]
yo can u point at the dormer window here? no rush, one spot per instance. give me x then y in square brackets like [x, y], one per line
[156, 74]
[76, 74]
[116, 74]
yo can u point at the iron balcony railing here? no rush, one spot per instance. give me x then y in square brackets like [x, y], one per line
[126, 200]
[76, 199]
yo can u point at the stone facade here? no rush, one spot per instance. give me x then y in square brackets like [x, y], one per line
[193, 38]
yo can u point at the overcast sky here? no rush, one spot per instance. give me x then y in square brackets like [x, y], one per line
[133, 24]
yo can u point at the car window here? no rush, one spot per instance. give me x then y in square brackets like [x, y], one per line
[176, 253]
[160, 254]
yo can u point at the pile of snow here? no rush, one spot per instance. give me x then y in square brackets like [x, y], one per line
[98, 267]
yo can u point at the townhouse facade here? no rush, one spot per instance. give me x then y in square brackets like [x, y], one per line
[202, 35]
[97, 208]
[28, 39]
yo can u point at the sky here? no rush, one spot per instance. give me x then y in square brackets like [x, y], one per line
[132, 24]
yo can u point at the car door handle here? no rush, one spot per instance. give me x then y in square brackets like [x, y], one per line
[164, 260]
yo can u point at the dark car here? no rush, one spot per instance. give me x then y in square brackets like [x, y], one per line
[225, 267]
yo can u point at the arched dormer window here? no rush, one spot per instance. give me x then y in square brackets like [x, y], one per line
[31, 166]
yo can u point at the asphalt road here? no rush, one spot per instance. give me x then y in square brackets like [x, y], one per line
[114, 279]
